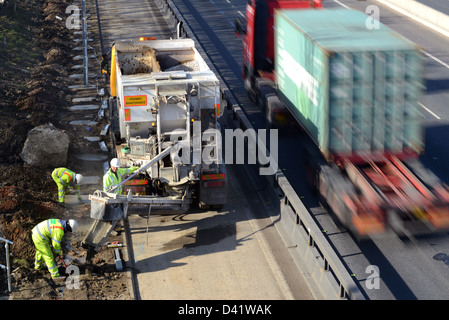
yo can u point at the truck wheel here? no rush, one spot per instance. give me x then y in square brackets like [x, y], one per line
[272, 103]
[203, 206]
[249, 85]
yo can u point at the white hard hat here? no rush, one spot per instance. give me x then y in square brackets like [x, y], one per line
[73, 224]
[78, 178]
[115, 163]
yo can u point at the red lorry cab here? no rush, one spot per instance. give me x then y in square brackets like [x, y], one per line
[258, 42]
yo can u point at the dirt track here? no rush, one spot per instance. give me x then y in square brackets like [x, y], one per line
[34, 82]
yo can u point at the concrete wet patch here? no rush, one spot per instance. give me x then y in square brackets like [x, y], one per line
[92, 139]
[81, 57]
[80, 66]
[82, 122]
[83, 107]
[103, 146]
[81, 87]
[84, 99]
[90, 180]
[80, 76]
[91, 157]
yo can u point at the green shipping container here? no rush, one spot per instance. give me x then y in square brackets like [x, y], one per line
[354, 88]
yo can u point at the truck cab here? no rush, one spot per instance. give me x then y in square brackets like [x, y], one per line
[257, 32]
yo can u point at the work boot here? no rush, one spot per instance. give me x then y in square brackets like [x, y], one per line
[58, 279]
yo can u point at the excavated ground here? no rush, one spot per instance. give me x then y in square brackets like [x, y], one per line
[34, 91]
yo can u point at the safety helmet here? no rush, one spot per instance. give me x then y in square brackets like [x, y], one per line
[78, 178]
[73, 224]
[115, 163]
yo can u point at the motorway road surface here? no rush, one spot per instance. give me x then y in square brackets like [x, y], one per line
[439, 5]
[397, 268]
[213, 255]
[232, 254]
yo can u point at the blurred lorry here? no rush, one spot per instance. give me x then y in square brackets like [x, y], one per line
[354, 90]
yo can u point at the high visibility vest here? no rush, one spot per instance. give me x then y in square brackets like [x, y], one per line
[110, 180]
[66, 176]
[50, 231]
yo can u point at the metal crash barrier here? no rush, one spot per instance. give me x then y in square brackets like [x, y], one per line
[7, 267]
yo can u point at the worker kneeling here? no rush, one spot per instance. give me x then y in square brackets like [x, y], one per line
[51, 232]
[114, 176]
[66, 179]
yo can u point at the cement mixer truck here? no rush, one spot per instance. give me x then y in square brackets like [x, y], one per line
[164, 106]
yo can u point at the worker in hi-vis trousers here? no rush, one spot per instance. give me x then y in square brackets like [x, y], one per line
[66, 179]
[114, 176]
[46, 233]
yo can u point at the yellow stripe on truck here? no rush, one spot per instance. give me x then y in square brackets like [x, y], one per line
[113, 78]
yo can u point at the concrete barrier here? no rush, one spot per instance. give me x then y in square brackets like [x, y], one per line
[426, 15]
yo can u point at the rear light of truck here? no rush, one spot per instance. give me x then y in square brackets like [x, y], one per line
[367, 224]
[147, 38]
[213, 180]
[439, 218]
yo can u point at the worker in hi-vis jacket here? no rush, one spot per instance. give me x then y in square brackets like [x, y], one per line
[114, 176]
[66, 179]
[46, 233]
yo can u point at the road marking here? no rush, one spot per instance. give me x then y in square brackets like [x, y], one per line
[444, 64]
[429, 111]
[263, 243]
[241, 14]
[342, 4]
[416, 18]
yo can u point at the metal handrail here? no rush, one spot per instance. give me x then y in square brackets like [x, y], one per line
[7, 267]
[85, 39]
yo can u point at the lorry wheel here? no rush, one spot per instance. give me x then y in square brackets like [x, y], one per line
[203, 206]
[249, 85]
[272, 104]
[218, 207]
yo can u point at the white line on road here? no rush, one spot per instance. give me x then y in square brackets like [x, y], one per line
[416, 18]
[444, 64]
[342, 4]
[429, 111]
[265, 248]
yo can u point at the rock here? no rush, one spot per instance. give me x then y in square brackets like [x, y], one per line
[46, 146]
[54, 55]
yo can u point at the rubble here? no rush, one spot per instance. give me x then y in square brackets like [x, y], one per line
[52, 153]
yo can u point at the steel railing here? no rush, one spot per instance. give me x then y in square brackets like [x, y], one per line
[8, 266]
[85, 40]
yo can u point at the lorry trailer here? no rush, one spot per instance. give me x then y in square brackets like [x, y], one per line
[354, 91]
